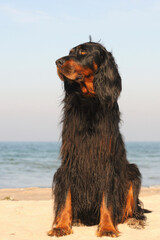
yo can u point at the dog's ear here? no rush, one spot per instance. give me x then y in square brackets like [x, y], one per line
[107, 81]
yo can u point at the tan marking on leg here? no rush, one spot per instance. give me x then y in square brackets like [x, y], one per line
[64, 220]
[128, 211]
[106, 227]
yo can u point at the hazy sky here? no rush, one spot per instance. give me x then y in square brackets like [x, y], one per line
[34, 33]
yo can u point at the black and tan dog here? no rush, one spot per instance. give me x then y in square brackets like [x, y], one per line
[95, 183]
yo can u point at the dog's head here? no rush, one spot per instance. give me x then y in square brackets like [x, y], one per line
[92, 69]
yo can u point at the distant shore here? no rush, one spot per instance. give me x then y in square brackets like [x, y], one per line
[27, 213]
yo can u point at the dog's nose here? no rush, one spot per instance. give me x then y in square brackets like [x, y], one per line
[60, 62]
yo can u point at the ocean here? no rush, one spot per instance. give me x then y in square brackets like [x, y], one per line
[33, 164]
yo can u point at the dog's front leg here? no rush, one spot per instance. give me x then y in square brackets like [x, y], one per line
[64, 220]
[106, 226]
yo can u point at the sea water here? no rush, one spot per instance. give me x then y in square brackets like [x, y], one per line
[33, 164]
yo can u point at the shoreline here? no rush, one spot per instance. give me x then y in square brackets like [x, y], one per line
[36, 193]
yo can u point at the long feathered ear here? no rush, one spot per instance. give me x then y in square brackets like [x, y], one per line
[107, 81]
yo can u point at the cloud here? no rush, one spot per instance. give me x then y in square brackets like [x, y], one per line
[24, 16]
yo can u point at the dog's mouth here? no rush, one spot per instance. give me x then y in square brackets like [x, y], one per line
[63, 75]
[60, 74]
[71, 76]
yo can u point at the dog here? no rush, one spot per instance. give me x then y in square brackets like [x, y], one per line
[95, 183]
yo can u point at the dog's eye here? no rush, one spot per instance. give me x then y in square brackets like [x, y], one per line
[82, 52]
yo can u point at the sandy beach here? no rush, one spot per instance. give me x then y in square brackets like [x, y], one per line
[26, 214]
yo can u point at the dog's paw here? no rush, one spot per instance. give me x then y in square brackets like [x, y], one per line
[59, 232]
[107, 233]
[135, 223]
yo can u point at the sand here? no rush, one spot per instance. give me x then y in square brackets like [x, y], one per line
[26, 214]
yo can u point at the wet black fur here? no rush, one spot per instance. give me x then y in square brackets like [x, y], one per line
[90, 166]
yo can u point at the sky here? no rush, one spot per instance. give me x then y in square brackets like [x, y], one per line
[34, 33]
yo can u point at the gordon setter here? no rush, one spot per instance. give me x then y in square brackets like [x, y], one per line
[95, 183]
